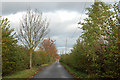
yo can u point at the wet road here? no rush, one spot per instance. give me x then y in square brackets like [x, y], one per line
[56, 70]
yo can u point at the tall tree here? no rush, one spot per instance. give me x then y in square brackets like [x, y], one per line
[101, 37]
[98, 53]
[32, 30]
[94, 25]
[8, 47]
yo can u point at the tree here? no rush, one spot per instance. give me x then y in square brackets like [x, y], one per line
[32, 30]
[41, 57]
[8, 47]
[98, 52]
[48, 45]
[100, 35]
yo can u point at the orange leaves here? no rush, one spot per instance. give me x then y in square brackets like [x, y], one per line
[49, 46]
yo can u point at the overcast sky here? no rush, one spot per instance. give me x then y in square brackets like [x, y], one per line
[63, 17]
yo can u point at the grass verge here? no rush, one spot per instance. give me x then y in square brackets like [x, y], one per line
[25, 74]
[75, 73]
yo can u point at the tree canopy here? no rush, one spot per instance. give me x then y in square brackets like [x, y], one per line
[33, 29]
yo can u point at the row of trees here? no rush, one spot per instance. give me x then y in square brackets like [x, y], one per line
[16, 57]
[97, 51]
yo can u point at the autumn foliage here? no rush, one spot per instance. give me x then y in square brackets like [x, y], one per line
[48, 45]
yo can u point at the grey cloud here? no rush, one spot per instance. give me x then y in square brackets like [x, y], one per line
[59, 31]
[13, 7]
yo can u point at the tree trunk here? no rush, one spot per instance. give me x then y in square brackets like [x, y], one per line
[30, 58]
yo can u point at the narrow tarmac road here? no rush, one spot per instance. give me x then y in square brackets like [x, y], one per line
[56, 70]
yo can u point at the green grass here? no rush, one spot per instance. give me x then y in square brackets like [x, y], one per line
[75, 73]
[23, 74]
[44, 65]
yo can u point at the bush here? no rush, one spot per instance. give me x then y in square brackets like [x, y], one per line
[41, 57]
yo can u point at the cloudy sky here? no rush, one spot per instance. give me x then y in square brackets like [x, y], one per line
[63, 17]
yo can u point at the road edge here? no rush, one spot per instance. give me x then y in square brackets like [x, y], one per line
[41, 68]
[74, 76]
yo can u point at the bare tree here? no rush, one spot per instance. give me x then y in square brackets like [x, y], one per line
[32, 30]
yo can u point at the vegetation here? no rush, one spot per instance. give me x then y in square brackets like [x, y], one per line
[48, 45]
[8, 48]
[22, 74]
[95, 55]
[33, 29]
[74, 72]
[97, 51]
[15, 57]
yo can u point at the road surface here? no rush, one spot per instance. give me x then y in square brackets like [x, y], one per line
[56, 70]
